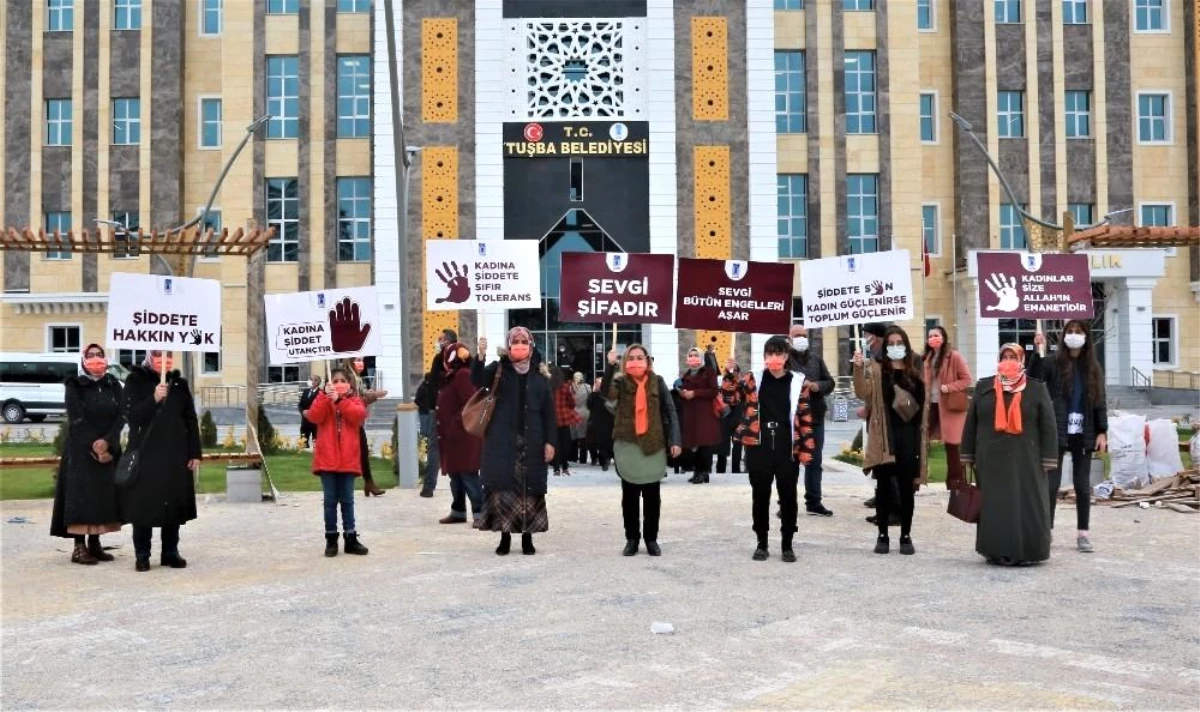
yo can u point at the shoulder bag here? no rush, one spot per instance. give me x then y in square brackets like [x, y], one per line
[966, 500]
[477, 413]
[126, 474]
[954, 401]
[904, 404]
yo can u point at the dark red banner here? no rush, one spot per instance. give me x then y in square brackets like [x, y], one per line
[616, 287]
[738, 297]
[1025, 285]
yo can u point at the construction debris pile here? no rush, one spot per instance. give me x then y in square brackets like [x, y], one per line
[1180, 493]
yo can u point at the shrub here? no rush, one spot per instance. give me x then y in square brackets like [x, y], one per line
[268, 441]
[208, 431]
[857, 443]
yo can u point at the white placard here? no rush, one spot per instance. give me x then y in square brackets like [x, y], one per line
[477, 274]
[160, 313]
[856, 289]
[323, 325]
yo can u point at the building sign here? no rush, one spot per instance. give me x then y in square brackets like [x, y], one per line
[477, 274]
[614, 287]
[156, 312]
[734, 296]
[856, 289]
[608, 139]
[1028, 285]
[329, 324]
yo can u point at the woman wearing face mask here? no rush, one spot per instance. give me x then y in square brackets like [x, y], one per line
[701, 424]
[897, 440]
[644, 430]
[518, 443]
[339, 414]
[1076, 385]
[367, 396]
[461, 458]
[579, 393]
[164, 493]
[1009, 439]
[85, 498]
[948, 378]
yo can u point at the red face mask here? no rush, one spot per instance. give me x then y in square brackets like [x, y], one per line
[518, 352]
[935, 342]
[775, 362]
[1009, 370]
[693, 361]
[637, 369]
[161, 363]
[359, 366]
[95, 365]
[341, 388]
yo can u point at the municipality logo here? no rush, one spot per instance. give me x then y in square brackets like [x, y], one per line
[618, 132]
[616, 261]
[735, 269]
[167, 286]
[482, 247]
[320, 300]
[1032, 262]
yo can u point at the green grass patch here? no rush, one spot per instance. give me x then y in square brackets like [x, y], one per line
[937, 460]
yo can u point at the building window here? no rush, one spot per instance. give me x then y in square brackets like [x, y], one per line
[212, 360]
[931, 321]
[354, 6]
[862, 212]
[127, 122]
[1017, 331]
[928, 117]
[283, 214]
[925, 15]
[210, 123]
[58, 122]
[127, 15]
[793, 215]
[126, 238]
[1154, 118]
[1010, 114]
[1150, 15]
[1162, 332]
[1079, 114]
[212, 221]
[1075, 12]
[576, 186]
[354, 97]
[283, 374]
[283, 7]
[1157, 215]
[860, 92]
[930, 229]
[283, 96]
[130, 357]
[1083, 214]
[64, 339]
[790, 100]
[60, 15]
[1008, 12]
[210, 17]
[354, 219]
[858, 5]
[1012, 228]
[59, 222]
[789, 4]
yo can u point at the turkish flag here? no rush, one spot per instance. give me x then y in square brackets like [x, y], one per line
[925, 257]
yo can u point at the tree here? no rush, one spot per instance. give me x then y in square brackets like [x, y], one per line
[267, 441]
[208, 430]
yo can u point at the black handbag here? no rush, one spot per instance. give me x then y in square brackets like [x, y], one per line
[127, 467]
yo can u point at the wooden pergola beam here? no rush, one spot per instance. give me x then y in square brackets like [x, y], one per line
[193, 241]
[1126, 237]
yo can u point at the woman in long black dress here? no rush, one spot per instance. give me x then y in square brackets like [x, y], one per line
[85, 498]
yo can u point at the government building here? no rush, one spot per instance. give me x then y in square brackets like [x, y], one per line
[763, 130]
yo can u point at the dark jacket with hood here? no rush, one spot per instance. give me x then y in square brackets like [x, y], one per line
[529, 414]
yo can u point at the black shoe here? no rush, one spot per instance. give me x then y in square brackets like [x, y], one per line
[143, 563]
[604, 466]
[631, 547]
[527, 545]
[352, 544]
[426, 493]
[906, 546]
[694, 479]
[870, 503]
[789, 556]
[737, 470]
[705, 476]
[819, 510]
[882, 545]
[893, 521]
[760, 554]
[331, 548]
[505, 544]
[653, 549]
[174, 561]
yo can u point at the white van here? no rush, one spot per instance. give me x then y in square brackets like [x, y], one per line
[31, 384]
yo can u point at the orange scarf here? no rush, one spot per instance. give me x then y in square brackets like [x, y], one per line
[1008, 421]
[641, 410]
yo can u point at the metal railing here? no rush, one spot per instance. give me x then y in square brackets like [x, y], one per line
[1182, 379]
[222, 396]
[1141, 380]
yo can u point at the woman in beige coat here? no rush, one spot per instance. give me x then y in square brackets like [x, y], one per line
[947, 379]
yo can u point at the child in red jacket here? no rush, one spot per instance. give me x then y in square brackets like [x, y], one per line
[339, 415]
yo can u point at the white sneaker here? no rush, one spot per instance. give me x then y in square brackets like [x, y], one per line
[1084, 544]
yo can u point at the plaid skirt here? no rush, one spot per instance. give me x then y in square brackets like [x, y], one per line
[514, 513]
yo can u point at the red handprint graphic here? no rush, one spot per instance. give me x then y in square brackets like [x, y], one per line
[455, 277]
[344, 329]
[876, 288]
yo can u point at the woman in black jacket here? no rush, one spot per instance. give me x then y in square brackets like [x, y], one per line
[85, 498]
[1076, 384]
[599, 427]
[162, 423]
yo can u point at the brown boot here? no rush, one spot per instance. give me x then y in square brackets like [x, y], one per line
[98, 553]
[370, 488]
[82, 556]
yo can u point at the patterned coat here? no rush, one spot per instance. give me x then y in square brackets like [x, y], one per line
[749, 429]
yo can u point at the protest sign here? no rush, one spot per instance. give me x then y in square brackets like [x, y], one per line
[329, 324]
[612, 287]
[855, 289]
[474, 274]
[161, 313]
[734, 296]
[1027, 285]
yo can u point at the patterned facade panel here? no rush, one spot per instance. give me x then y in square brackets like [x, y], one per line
[439, 220]
[561, 69]
[439, 70]
[710, 69]
[713, 218]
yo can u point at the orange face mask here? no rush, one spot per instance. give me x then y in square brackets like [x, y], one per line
[637, 369]
[518, 352]
[775, 362]
[341, 388]
[1009, 370]
[95, 365]
[161, 362]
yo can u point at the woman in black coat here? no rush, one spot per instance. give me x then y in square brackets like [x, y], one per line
[518, 442]
[162, 422]
[599, 427]
[85, 498]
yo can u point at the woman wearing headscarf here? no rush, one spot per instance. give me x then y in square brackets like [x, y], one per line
[518, 443]
[1009, 439]
[460, 449]
[580, 392]
[85, 498]
[367, 396]
[600, 426]
[644, 430]
[162, 424]
[948, 378]
[701, 424]
[898, 438]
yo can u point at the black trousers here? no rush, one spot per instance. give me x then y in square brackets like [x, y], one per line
[142, 537]
[651, 502]
[563, 449]
[894, 493]
[1081, 478]
[728, 444]
[766, 466]
[702, 460]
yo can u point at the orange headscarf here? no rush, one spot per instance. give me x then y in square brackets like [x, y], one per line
[1009, 420]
